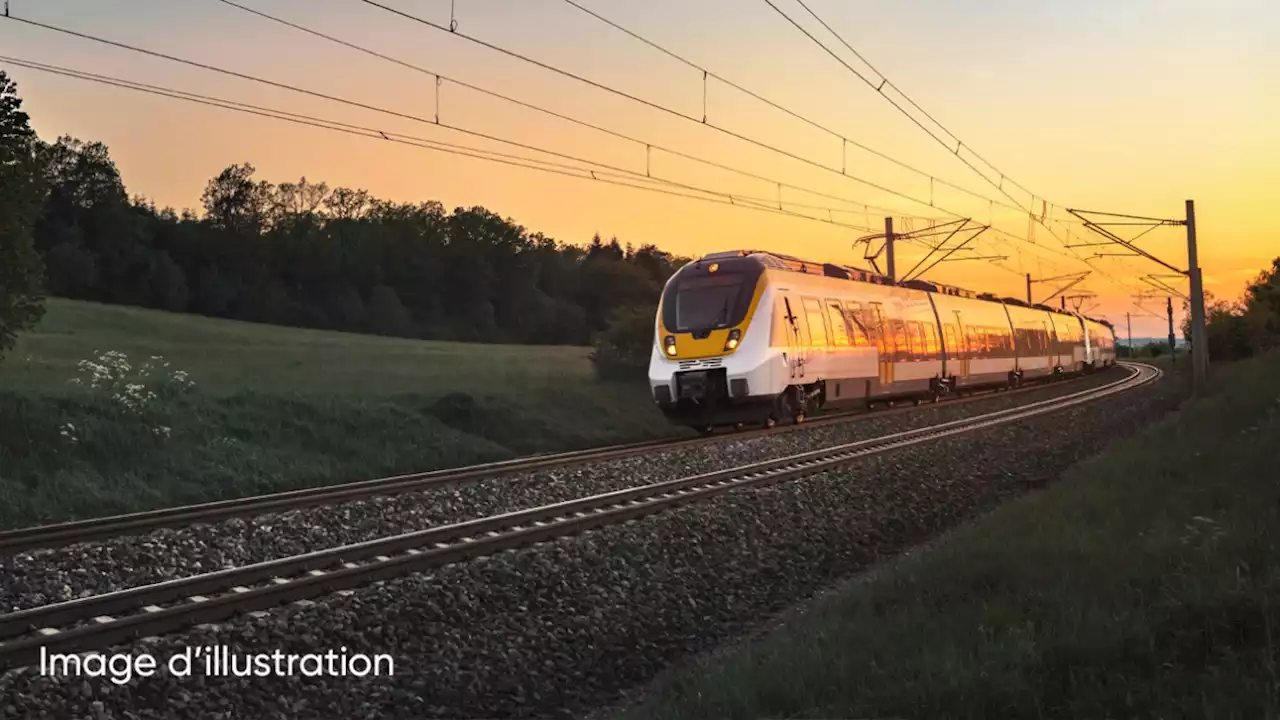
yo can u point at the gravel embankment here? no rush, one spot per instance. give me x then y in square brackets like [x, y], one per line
[38, 578]
[557, 629]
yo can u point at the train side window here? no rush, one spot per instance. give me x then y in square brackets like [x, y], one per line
[931, 338]
[874, 323]
[820, 336]
[780, 332]
[900, 336]
[869, 315]
[949, 337]
[839, 330]
[858, 335]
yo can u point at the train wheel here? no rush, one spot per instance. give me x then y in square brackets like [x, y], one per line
[737, 427]
[770, 422]
[799, 419]
[915, 402]
[706, 430]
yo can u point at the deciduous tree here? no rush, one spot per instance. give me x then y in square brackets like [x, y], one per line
[21, 196]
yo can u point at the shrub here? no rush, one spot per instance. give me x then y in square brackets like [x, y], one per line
[622, 351]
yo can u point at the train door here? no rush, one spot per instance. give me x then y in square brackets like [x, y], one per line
[884, 344]
[797, 342]
[817, 354]
[951, 352]
[1053, 347]
[962, 344]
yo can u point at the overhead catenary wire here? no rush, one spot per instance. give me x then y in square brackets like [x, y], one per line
[731, 200]
[490, 156]
[845, 140]
[685, 116]
[657, 106]
[879, 89]
[647, 144]
[886, 82]
[457, 128]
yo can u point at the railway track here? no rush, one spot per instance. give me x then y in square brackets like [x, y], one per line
[69, 533]
[101, 621]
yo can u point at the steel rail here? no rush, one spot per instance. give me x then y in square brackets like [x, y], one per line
[88, 624]
[77, 531]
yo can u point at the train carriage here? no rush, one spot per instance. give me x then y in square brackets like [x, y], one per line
[749, 336]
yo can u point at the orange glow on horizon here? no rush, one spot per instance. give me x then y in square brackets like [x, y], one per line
[1127, 109]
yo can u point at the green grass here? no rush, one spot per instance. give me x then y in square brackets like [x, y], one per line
[279, 408]
[1146, 584]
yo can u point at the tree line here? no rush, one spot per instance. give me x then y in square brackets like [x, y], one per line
[306, 255]
[299, 253]
[1246, 327]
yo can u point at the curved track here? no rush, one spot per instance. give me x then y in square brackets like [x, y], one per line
[101, 621]
[68, 533]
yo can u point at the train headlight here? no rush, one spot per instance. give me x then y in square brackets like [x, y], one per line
[735, 335]
[670, 344]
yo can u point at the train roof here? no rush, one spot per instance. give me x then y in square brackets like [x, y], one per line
[809, 267]
[771, 259]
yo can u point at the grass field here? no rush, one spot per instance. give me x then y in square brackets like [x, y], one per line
[275, 408]
[1146, 584]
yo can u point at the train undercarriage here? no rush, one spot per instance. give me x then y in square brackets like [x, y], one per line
[705, 399]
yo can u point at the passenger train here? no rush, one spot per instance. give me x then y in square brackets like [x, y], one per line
[756, 337]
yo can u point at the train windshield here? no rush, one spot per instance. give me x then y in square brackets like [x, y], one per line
[698, 302]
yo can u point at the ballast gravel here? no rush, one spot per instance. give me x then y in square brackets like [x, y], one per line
[48, 576]
[560, 628]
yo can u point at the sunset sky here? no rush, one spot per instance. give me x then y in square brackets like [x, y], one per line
[1129, 106]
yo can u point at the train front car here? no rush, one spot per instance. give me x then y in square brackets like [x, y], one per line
[711, 357]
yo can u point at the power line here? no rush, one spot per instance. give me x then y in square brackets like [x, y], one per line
[436, 121]
[682, 115]
[657, 106]
[531, 106]
[879, 88]
[777, 106]
[479, 154]
[647, 176]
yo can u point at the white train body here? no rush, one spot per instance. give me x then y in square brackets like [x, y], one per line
[751, 336]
